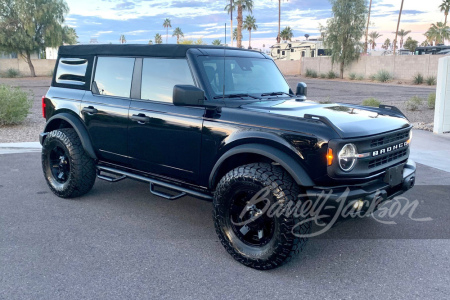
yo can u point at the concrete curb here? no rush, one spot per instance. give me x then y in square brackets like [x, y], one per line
[9, 148]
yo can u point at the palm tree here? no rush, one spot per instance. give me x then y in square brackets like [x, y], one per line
[217, 42]
[242, 5]
[373, 38]
[287, 34]
[445, 7]
[386, 44]
[122, 39]
[250, 24]
[177, 32]
[166, 25]
[367, 28]
[306, 36]
[235, 34]
[279, 21]
[158, 39]
[398, 25]
[438, 33]
[230, 8]
[402, 34]
[424, 43]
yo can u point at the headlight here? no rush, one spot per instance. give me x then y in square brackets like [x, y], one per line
[347, 157]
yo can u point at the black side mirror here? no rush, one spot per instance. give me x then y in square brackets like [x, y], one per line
[188, 95]
[302, 90]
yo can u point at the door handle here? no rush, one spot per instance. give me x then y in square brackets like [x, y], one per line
[140, 118]
[90, 110]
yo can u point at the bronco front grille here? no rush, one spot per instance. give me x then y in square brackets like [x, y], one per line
[389, 139]
[388, 158]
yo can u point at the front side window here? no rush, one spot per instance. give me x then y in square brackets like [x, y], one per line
[242, 75]
[113, 76]
[160, 75]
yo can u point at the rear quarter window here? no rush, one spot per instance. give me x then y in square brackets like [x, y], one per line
[71, 71]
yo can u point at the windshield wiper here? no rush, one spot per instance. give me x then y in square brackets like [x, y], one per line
[235, 96]
[276, 94]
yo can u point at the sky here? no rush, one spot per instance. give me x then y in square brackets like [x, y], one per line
[140, 20]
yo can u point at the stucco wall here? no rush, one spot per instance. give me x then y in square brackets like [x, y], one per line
[289, 67]
[42, 67]
[401, 67]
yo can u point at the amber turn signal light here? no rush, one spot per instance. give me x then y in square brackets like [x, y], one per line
[330, 156]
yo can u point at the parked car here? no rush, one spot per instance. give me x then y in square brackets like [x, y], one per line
[220, 124]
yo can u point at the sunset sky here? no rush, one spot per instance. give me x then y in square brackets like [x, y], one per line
[140, 20]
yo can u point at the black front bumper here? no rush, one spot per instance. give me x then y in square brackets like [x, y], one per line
[378, 190]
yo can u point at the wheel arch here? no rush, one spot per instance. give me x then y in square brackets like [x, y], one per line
[68, 120]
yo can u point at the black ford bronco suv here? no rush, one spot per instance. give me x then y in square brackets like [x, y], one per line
[220, 124]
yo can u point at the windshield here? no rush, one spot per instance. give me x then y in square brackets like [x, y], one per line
[243, 75]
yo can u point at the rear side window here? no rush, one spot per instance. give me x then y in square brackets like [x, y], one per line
[71, 71]
[113, 76]
[159, 76]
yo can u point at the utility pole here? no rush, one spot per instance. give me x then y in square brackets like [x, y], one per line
[367, 29]
[398, 25]
[231, 28]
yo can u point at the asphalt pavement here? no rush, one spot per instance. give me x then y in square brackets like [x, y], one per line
[120, 242]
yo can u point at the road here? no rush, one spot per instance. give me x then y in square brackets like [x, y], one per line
[120, 242]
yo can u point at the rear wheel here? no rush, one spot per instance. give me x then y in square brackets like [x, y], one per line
[68, 169]
[252, 235]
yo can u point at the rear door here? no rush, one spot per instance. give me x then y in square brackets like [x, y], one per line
[162, 138]
[105, 108]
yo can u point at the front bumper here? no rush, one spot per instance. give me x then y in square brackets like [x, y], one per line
[378, 190]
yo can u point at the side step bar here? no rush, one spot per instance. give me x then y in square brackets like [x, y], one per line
[153, 182]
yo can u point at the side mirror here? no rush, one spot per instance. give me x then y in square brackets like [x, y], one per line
[188, 95]
[302, 90]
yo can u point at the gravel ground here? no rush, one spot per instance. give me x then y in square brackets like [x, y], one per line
[318, 90]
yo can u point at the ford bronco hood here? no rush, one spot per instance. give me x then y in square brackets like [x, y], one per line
[349, 120]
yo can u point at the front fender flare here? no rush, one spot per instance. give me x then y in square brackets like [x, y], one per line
[79, 128]
[287, 162]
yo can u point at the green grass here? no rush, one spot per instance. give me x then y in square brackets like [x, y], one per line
[431, 80]
[432, 100]
[371, 102]
[383, 76]
[15, 105]
[414, 103]
[418, 79]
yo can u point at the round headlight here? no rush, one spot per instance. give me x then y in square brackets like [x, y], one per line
[347, 157]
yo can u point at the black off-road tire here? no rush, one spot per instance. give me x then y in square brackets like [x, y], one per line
[286, 240]
[81, 170]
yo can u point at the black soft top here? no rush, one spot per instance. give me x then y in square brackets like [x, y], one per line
[166, 50]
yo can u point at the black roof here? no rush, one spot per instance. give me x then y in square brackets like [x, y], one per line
[160, 50]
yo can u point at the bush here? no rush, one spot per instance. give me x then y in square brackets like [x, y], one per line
[15, 105]
[371, 102]
[323, 75]
[414, 103]
[418, 79]
[11, 73]
[311, 73]
[373, 77]
[431, 100]
[314, 74]
[383, 76]
[360, 77]
[331, 75]
[352, 76]
[431, 80]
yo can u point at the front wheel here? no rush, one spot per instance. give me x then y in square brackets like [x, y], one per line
[69, 171]
[246, 228]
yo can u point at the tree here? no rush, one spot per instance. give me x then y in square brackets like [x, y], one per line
[178, 33]
[402, 34]
[398, 25]
[424, 43]
[438, 32]
[191, 42]
[166, 25]
[122, 39]
[230, 8]
[235, 34]
[150, 42]
[445, 7]
[29, 26]
[306, 36]
[367, 28]
[386, 44]
[411, 44]
[242, 5]
[345, 30]
[158, 39]
[287, 34]
[216, 42]
[373, 38]
[250, 24]
[279, 22]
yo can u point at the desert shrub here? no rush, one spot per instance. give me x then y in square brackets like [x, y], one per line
[11, 73]
[431, 80]
[431, 100]
[360, 77]
[314, 74]
[311, 73]
[414, 103]
[373, 77]
[323, 75]
[371, 102]
[418, 79]
[383, 76]
[331, 75]
[15, 105]
[352, 76]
